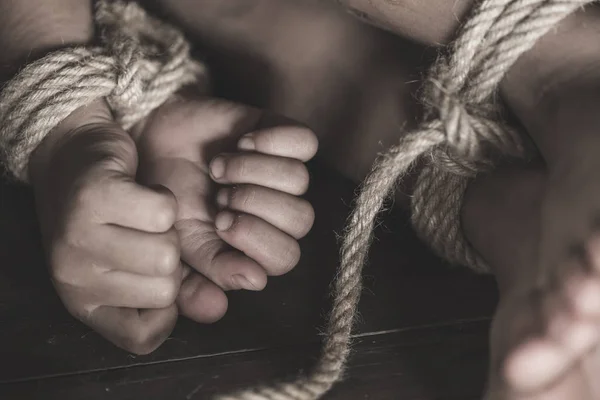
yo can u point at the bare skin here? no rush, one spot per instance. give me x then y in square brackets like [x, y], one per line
[236, 173]
[545, 332]
[126, 258]
[134, 225]
[540, 239]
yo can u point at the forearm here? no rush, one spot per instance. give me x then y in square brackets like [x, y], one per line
[30, 28]
[567, 56]
[560, 57]
[431, 22]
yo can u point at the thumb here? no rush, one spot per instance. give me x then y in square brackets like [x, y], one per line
[86, 137]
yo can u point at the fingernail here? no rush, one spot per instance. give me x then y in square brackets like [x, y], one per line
[224, 221]
[240, 281]
[217, 167]
[223, 197]
[247, 142]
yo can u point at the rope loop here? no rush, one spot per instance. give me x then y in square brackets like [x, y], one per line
[140, 63]
[472, 133]
[143, 61]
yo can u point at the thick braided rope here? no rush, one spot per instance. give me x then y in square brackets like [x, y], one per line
[141, 63]
[460, 96]
[460, 135]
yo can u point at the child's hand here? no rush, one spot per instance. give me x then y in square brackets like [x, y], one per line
[236, 232]
[110, 242]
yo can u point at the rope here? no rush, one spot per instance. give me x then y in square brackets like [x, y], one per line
[460, 136]
[143, 61]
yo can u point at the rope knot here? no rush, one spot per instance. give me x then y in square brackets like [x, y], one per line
[141, 63]
[129, 76]
[148, 56]
[461, 149]
[471, 132]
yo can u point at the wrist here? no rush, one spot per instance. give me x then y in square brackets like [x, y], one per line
[29, 29]
[95, 113]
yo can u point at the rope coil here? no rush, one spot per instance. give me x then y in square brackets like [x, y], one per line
[143, 62]
[140, 64]
[459, 124]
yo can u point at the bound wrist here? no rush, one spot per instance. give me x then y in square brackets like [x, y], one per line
[97, 112]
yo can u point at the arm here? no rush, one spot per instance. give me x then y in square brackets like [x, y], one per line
[116, 270]
[538, 77]
[431, 22]
[30, 28]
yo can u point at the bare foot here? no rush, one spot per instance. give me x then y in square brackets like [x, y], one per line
[544, 332]
[541, 236]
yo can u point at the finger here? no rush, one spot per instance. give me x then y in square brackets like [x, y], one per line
[207, 254]
[124, 289]
[290, 214]
[201, 300]
[187, 180]
[283, 174]
[274, 250]
[137, 331]
[118, 200]
[296, 142]
[128, 250]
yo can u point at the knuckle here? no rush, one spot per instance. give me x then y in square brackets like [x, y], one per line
[237, 167]
[165, 293]
[165, 213]
[167, 258]
[243, 198]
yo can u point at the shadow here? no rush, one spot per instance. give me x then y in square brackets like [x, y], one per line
[21, 255]
[405, 285]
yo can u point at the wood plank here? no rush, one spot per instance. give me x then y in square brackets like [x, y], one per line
[405, 286]
[431, 363]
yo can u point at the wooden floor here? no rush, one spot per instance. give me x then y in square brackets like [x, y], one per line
[422, 332]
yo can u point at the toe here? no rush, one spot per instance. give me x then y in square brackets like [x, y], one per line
[582, 290]
[542, 359]
[575, 335]
[533, 364]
